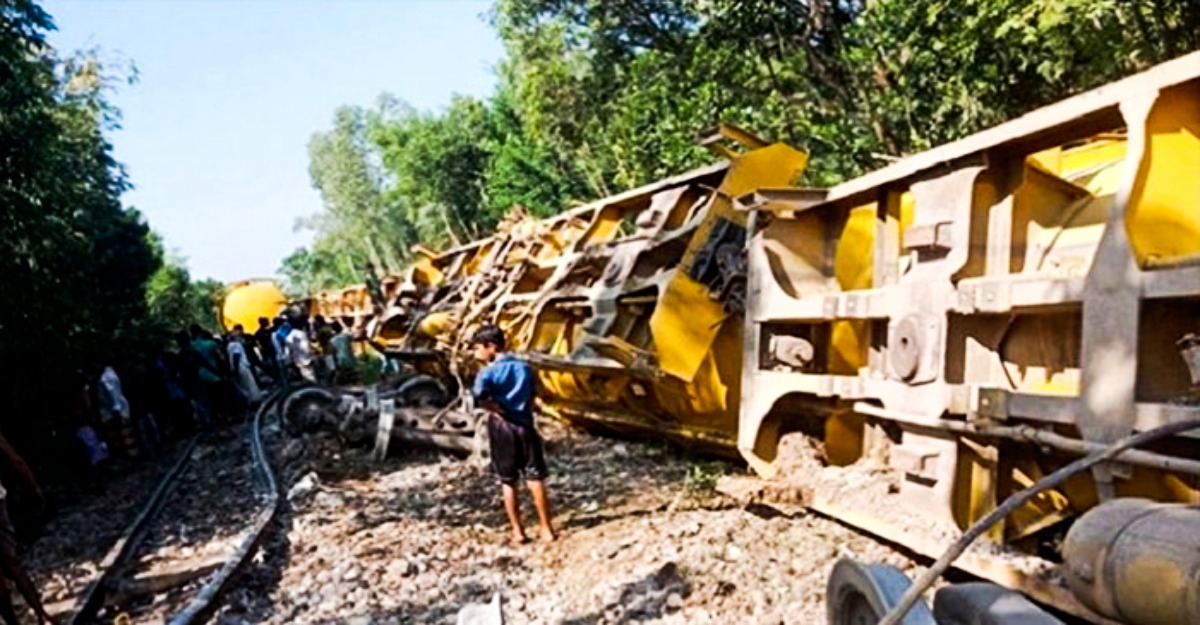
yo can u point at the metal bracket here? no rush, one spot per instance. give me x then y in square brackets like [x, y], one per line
[938, 236]
[990, 404]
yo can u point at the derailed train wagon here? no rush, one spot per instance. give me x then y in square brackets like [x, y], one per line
[975, 317]
[630, 307]
[918, 344]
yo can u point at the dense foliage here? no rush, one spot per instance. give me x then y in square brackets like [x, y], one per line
[74, 264]
[597, 96]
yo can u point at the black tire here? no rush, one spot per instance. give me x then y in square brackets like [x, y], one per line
[304, 409]
[862, 594]
[422, 391]
[980, 603]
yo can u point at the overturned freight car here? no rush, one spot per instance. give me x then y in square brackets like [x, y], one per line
[975, 317]
[911, 347]
[630, 307]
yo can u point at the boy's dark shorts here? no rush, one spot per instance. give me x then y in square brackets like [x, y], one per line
[516, 450]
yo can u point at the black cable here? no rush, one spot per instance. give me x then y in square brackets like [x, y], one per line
[1057, 478]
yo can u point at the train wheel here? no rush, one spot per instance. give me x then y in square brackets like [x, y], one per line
[422, 391]
[307, 408]
[862, 594]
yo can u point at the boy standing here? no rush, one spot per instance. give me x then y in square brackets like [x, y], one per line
[505, 388]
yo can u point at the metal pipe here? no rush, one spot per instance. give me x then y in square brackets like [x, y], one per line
[1053, 480]
[204, 601]
[1033, 435]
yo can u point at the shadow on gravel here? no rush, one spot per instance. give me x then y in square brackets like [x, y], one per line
[399, 509]
[588, 521]
[592, 481]
[261, 577]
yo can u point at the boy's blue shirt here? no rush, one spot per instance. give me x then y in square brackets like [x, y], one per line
[509, 382]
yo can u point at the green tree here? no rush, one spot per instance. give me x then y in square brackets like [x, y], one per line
[74, 262]
[437, 162]
[359, 219]
[623, 84]
[522, 172]
[598, 96]
[174, 300]
[403, 176]
[306, 271]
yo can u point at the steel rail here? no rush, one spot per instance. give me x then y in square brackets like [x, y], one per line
[126, 545]
[205, 599]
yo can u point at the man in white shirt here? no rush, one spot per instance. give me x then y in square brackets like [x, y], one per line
[300, 350]
[112, 398]
[239, 364]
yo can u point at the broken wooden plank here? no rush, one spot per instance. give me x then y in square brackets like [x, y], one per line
[164, 578]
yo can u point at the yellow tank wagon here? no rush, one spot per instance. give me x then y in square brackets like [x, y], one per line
[248, 300]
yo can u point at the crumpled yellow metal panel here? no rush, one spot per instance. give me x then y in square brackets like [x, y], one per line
[624, 305]
[687, 319]
[1164, 217]
[684, 324]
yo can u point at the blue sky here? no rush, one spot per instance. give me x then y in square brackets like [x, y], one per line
[215, 130]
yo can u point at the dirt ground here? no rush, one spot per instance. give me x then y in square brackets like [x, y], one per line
[644, 538]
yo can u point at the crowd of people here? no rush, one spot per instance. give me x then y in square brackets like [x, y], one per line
[203, 382]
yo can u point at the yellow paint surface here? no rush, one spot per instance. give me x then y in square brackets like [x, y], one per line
[247, 301]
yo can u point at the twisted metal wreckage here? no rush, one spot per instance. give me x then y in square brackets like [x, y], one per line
[962, 323]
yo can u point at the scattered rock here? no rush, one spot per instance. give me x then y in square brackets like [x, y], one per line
[328, 501]
[417, 537]
[304, 487]
[734, 553]
[482, 614]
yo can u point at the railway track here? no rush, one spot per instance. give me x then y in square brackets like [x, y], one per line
[205, 519]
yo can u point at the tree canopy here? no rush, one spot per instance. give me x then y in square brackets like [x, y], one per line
[74, 263]
[598, 96]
